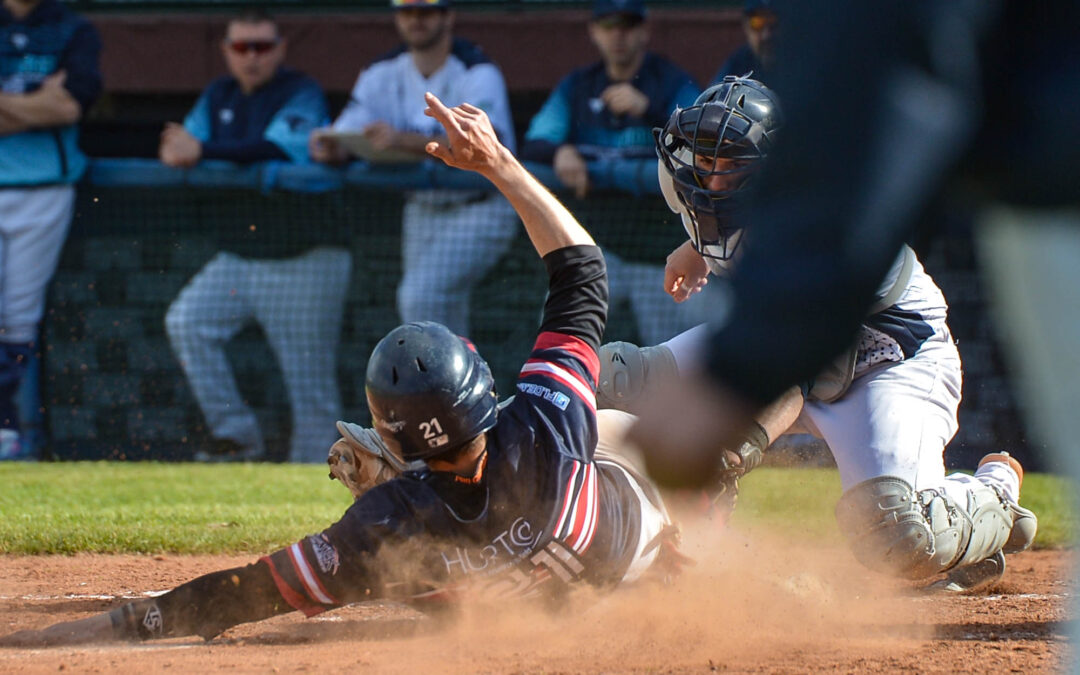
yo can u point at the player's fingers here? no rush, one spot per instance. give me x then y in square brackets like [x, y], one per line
[471, 109]
[440, 112]
[672, 279]
[436, 149]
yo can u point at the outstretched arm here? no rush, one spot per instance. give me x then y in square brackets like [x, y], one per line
[204, 606]
[472, 145]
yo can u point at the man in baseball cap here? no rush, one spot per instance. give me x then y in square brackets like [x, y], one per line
[606, 110]
[612, 11]
[757, 55]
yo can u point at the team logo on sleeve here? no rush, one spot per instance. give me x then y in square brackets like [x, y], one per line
[325, 554]
[557, 398]
[152, 620]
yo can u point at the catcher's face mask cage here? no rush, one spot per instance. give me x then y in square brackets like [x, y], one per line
[711, 151]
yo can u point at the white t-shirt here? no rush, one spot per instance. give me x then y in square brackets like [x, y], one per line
[392, 90]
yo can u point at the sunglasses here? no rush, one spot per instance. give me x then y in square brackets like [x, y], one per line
[761, 21]
[248, 46]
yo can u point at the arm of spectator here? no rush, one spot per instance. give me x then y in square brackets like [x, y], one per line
[50, 105]
[570, 168]
[549, 128]
[178, 147]
[291, 128]
[322, 148]
[356, 116]
[623, 98]
[385, 137]
[181, 145]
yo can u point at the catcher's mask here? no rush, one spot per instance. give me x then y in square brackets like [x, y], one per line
[428, 390]
[709, 154]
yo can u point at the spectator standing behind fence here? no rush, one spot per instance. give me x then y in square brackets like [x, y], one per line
[48, 79]
[607, 110]
[757, 56]
[260, 111]
[450, 238]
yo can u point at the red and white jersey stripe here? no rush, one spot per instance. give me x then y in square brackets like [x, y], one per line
[577, 519]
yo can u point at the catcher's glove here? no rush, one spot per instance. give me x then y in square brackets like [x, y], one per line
[360, 459]
[734, 464]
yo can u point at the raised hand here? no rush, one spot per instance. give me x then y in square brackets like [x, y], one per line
[471, 140]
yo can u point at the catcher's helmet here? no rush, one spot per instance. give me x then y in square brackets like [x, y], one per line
[708, 153]
[428, 391]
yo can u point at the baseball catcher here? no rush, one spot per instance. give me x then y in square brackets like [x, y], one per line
[503, 502]
[886, 407]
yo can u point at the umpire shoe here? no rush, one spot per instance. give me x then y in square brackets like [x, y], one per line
[228, 450]
[1024, 523]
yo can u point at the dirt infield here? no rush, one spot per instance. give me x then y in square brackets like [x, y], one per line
[750, 605]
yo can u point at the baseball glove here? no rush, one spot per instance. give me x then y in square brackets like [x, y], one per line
[360, 459]
[734, 464]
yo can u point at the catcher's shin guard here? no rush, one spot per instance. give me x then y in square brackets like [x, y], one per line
[893, 529]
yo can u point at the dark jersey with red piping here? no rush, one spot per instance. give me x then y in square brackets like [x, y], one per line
[539, 515]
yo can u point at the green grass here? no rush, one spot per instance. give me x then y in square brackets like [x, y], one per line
[125, 507]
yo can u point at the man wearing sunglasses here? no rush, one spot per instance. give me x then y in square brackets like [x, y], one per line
[292, 283]
[757, 55]
[254, 113]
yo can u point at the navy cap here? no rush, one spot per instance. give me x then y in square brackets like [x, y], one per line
[419, 4]
[754, 6]
[603, 8]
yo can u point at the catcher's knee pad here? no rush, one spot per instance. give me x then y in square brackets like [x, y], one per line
[627, 370]
[893, 529]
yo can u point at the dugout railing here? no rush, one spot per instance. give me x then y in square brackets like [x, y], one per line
[111, 387]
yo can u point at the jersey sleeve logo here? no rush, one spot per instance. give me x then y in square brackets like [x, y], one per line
[325, 554]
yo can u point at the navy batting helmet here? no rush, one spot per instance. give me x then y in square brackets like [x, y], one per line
[428, 390]
[708, 153]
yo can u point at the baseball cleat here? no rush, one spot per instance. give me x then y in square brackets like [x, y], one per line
[972, 578]
[1024, 523]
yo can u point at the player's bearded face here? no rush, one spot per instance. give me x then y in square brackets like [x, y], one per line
[422, 28]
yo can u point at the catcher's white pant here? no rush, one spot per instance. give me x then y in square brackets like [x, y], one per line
[299, 302]
[447, 248]
[895, 420]
[33, 226]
